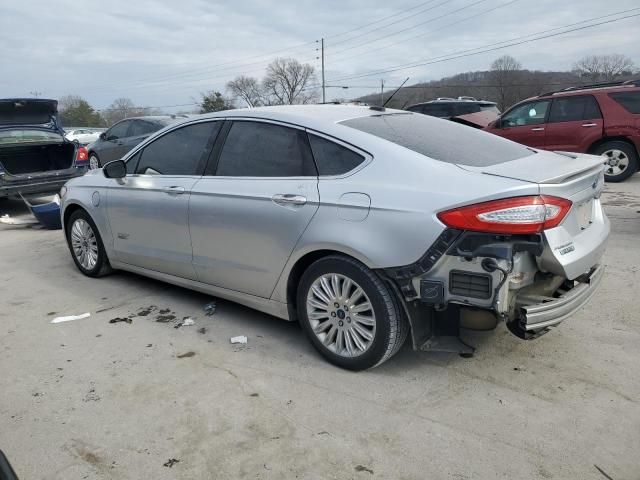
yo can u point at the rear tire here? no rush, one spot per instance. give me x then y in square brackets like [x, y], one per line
[85, 245]
[621, 160]
[349, 314]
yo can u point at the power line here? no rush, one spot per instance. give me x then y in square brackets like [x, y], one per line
[412, 27]
[470, 17]
[461, 54]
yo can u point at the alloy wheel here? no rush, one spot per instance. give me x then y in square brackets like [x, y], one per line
[341, 315]
[93, 162]
[616, 162]
[84, 244]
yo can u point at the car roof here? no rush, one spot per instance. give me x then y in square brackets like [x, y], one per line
[608, 87]
[454, 100]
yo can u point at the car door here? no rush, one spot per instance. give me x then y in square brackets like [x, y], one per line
[113, 145]
[251, 207]
[574, 124]
[524, 123]
[149, 209]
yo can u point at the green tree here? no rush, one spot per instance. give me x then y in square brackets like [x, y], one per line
[77, 112]
[214, 102]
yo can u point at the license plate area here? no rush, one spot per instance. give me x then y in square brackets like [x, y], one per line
[584, 214]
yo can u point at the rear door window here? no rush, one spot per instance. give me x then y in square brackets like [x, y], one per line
[331, 158]
[256, 149]
[183, 151]
[445, 141]
[573, 109]
[629, 100]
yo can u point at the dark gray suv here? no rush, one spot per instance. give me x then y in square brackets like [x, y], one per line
[123, 136]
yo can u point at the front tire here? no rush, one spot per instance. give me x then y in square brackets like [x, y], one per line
[349, 314]
[621, 160]
[85, 245]
[94, 162]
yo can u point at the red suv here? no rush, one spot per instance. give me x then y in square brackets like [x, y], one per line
[602, 119]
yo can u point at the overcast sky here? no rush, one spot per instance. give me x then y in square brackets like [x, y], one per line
[161, 53]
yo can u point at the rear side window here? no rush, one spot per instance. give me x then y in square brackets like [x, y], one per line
[441, 140]
[438, 109]
[183, 151]
[255, 149]
[572, 109]
[629, 100]
[331, 158]
[466, 108]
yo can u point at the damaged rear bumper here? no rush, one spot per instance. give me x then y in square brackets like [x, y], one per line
[548, 311]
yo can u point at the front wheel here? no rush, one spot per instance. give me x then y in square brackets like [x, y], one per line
[86, 245]
[349, 314]
[94, 162]
[620, 160]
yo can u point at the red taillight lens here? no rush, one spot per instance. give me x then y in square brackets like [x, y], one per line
[82, 154]
[531, 214]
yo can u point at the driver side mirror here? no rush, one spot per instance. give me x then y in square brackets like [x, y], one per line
[115, 169]
[103, 136]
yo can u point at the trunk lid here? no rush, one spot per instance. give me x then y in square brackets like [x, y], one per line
[32, 112]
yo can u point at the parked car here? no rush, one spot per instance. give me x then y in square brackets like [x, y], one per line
[83, 136]
[34, 155]
[601, 119]
[363, 223]
[123, 136]
[465, 110]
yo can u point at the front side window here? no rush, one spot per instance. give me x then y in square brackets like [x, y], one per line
[119, 130]
[573, 109]
[183, 151]
[331, 158]
[629, 100]
[254, 149]
[533, 113]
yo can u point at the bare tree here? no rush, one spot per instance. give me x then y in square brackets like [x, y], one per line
[604, 67]
[289, 82]
[505, 72]
[248, 89]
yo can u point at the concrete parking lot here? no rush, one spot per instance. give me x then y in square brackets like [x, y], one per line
[94, 399]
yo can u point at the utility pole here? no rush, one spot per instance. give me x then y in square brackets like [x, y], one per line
[323, 86]
[382, 91]
[35, 93]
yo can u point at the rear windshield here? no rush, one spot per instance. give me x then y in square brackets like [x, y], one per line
[28, 136]
[441, 139]
[629, 100]
[489, 108]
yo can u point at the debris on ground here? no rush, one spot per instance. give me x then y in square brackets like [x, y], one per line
[70, 318]
[121, 319]
[91, 396]
[202, 330]
[165, 318]
[604, 474]
[186, 355]
[186, 322]
[171, 462]
[239, 339]
[146, 311]
[209, 309]
[8, 220]
[362, 468]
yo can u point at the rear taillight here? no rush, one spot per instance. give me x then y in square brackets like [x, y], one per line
[82, 155]
[531, 214]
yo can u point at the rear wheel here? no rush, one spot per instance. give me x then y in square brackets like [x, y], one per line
[94, 162]
[621, 160]
[86, 246]
[349, 314]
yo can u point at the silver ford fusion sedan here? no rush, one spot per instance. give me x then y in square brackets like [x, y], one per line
[365, 224]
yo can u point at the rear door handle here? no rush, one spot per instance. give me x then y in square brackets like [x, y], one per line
[537, 129]
[174, 190]
[588, 125]
[286, 199]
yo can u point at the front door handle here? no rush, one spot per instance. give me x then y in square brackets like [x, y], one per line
[537, 129]
[286, 199]
[589, 125]
[174, 190]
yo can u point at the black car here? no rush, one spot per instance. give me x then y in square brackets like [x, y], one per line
[454, 107]
[123, 136]
[34, 155]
